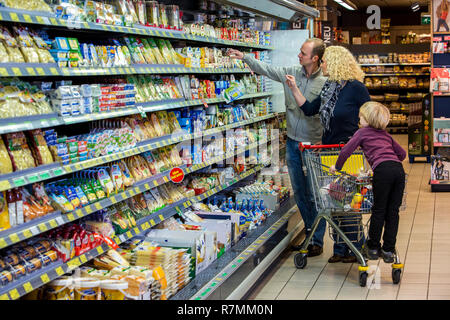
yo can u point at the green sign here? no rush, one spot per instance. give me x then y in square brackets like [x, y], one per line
[424, 20]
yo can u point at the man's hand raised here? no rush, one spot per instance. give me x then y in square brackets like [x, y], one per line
[235, 54]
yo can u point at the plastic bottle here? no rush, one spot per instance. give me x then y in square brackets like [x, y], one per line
[11, 199]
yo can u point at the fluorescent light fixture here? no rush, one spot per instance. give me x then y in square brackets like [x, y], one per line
[347, 4]
[415, 6]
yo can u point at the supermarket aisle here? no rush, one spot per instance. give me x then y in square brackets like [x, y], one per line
[423, 242]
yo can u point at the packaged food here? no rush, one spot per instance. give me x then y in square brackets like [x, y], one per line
[11, 45]
[60, 289]
[20, 152]
[26, 44]
[5, 277]
[5, 161]
[4, 214]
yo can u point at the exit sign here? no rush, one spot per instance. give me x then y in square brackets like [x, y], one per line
[425, 20]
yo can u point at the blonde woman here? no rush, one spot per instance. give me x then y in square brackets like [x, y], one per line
[338, 107]
[385, 156]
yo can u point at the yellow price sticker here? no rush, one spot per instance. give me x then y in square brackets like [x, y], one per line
[145, 226]
[17, 71]
[100, 250]
[14, 238]
[83, 259]
[40, 71]
[28, 287]
[54, 21]
[14, 294]
[70, 217]
[132, 193]
[4, 185]
[31, 71]
[147, 187]
[54, 71]
[4, 297]
[27, 18]
[27, 234]
[88, 210]
[53, 223]
[59, 271]
[152, 222]
[14, 16]
[98, 206]
[113, 199]
[74, 263]
[45, 278]
[161, 217]
[42, 227]
[129, 234]
[3, 243]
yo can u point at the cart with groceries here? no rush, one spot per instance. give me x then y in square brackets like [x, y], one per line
[341, 199]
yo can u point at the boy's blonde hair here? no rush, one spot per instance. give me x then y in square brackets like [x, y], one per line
[376, 114]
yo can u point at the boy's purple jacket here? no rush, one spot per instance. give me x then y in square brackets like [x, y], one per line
[378, 146]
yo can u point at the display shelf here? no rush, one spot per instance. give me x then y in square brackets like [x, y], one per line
[17, 124]
[44, 19]
[25, 285]
[394, 64]
[243, 257]
[51, 69]
[395, 88]
[34, 227]
[398, 74]
[41, 173]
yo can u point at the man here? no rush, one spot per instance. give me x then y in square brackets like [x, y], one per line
[300, 128]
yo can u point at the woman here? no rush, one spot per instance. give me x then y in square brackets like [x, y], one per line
[338, 107]
[442, 13]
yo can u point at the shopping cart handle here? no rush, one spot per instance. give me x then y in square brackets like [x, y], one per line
[319, 146]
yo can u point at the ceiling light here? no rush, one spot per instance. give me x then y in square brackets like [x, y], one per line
[415, 6]
[347, 4]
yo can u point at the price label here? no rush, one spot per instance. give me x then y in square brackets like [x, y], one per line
[142, 111]
[100, 250]
[70, 217]
[129, 235]
[59, 271]
[4, 185]
[14, 238]
[45, 278]
[98, 206]
[74, 263]
[3, 243]
[28, 287]
[4, 296]
[83, 259]
[40, 71]
[14, 294]
[152, 222]
[45, 175]
[53, 223]
[27, 234]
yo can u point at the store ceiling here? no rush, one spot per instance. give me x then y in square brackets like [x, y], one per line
[388, 3]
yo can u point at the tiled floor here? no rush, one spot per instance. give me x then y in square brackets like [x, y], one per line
[423, 243]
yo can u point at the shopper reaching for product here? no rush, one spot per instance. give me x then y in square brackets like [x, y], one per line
[300, 128]
[385, 156]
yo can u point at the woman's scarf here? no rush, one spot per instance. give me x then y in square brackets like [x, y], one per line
[329, 96]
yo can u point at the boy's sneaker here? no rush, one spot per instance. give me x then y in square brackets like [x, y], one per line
[388, 256]
[370, 254]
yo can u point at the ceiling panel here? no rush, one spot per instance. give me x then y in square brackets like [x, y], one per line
[388, 3]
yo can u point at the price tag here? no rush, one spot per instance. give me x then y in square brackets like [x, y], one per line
[45, 175]
[16, 71]
[59, 271]
[4, 296]
[142, 111]
[70, 217]
[19, 182]
[100, 250]
[58, 172]
[3, 243]
[83, 259]
[98, 206]
[54, 71]
[14, 16]
[4, 185]
[45, 278]
[74, 263]
[27, 234]
[14, 238]
[53, 223]
[31, 71]
[33, 178]
[28, 287]
[14, 294]
[152, 222]
[40, 71]
[129, 235]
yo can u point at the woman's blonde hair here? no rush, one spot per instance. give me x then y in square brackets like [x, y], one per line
[376, 114]
[342, 65]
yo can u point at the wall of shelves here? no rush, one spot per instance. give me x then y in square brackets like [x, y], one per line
[38, 227]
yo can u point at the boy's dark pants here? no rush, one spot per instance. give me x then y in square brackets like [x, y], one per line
[388, 188]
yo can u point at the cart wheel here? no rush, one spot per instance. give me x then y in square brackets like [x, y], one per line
[363, 279]
[300, 260]
[396, 274]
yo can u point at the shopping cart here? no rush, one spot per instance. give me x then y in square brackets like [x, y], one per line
[341, 199]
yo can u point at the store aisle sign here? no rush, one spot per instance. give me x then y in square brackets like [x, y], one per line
[176, 175]
[374, 21]
[327, 32]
